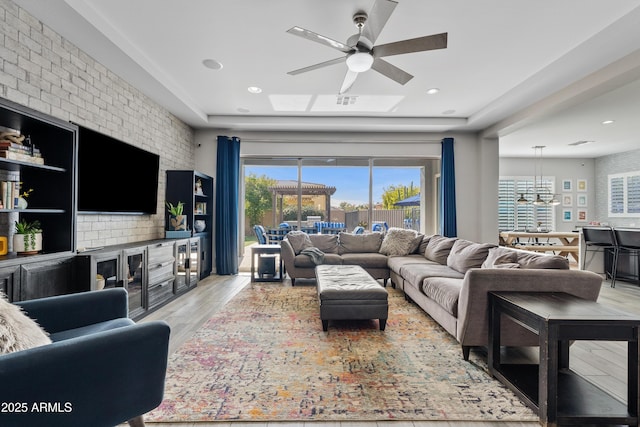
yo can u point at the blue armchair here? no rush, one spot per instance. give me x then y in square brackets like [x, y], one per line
[102, 369]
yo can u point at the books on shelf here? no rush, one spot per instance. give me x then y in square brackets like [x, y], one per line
[10, 149]
[9, 194]
[200, 208]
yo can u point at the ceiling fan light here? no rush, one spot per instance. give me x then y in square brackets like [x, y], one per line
[359, 62]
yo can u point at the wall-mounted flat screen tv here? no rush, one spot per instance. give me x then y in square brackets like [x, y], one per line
[115, 177]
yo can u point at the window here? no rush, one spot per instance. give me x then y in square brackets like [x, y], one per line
[624, 194]
[516, 216]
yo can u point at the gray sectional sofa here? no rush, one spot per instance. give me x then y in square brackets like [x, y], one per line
[449, 278]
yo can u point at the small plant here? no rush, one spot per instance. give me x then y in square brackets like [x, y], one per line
[29, 230]
[175, 210]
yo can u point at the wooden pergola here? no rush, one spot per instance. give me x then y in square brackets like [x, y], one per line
[290, 188]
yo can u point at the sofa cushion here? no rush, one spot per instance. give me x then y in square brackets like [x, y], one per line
[17, 330]
[359, 243]
[416, 273]
[399, 241]
[444, 291]
[499, 256]
[305, 261]
[327, 243]
[465, 254]
[365, 260]
[299, 241]
[534, 260]
[438, 248]
[395, 263]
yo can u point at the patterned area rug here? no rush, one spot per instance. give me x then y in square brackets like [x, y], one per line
[264, 357]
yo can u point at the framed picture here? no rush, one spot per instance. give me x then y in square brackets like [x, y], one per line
[581, 200]
[567, 215]
[581, 185]
[567, 185]
[567, 200]
[581, 215]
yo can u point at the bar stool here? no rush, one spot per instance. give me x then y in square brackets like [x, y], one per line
[629, 243]
[600, 239]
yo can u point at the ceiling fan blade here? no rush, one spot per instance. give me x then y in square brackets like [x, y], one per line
[316, 66]
[310, 35]
[377, 18]
[349, 79]
[391, 71]
[419, 44]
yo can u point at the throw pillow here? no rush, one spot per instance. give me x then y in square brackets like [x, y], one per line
[424, 241]
[17, 331]
[327, 243]
[465, 255]
[299, 240]
[499, 256]
[438, 248]
[399, 242]
[359, 243]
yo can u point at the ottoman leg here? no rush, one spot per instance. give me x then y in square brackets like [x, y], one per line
[325, 325]
[383, 323]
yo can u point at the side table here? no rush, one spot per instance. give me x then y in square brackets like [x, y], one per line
[258, 251]
[559, 395]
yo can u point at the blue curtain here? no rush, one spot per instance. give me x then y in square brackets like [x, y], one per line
[448, 190]
[227, 178]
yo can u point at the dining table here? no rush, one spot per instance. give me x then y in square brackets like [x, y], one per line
[564, 243]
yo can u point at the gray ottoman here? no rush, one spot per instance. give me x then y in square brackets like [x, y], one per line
[349, 292]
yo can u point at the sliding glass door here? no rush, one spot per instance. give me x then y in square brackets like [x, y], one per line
[344, 192]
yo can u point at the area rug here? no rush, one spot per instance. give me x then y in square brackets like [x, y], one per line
[264, 357]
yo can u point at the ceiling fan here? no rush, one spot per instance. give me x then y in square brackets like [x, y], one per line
[362, 55]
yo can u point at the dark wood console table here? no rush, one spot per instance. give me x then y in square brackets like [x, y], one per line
[559, 395]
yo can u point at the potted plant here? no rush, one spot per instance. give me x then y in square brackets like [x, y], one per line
[28, 237]
[177, 221]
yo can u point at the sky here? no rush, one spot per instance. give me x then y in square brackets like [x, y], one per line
[352, 183]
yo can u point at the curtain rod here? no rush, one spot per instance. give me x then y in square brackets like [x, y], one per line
[339, 141]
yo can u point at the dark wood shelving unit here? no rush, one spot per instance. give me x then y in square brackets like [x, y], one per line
[52, 202]
[181, 187]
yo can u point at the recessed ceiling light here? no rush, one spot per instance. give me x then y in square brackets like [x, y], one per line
[212, 64]
[575, 144]
[447, 112]
[608, 122]
[254, 89]
[433, 91]
[243, 110]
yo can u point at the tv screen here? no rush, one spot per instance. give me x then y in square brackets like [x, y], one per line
[115, 177]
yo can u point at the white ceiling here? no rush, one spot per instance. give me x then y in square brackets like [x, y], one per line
[533, 72]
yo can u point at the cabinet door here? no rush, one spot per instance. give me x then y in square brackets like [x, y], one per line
[194, 262]
[48, 278]
[182, 264]
[135, 280]
[205, 258]
[10, 281]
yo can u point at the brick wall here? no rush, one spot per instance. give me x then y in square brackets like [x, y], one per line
[42, 70]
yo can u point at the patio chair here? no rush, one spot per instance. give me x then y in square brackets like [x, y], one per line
[261, 234]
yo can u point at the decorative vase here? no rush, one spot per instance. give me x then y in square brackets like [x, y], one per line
[27, 243]
[199, 225]
[178, 222]
[22, 203]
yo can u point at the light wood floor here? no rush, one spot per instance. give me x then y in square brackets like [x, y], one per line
[604, 363]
